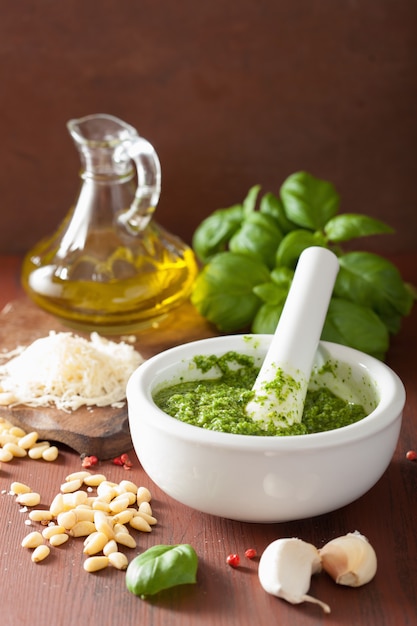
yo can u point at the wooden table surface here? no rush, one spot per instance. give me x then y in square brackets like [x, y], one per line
[59, 592]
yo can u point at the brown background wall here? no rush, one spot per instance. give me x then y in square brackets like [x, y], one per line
[230, 93]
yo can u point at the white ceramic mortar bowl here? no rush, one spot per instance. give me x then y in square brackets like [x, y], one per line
[266, 479]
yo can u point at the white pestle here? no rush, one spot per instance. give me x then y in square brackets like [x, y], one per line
[281, 385]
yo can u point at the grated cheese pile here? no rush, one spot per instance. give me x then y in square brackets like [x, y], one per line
[68, 371]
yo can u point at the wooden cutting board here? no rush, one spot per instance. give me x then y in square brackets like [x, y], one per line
[102, 431]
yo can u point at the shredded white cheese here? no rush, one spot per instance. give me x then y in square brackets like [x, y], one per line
[68, 371]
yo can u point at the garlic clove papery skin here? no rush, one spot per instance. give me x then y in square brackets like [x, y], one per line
[285, 570]
[350, 560]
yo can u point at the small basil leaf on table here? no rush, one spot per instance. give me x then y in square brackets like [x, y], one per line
[162, 567]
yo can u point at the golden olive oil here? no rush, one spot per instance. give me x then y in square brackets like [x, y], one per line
[113, 288]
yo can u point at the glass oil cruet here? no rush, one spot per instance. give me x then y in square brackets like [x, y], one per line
[110, 267]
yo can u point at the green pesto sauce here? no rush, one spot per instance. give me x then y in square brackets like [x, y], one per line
[219, 403]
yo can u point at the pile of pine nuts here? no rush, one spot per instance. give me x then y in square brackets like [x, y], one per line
[16, 442]
[104, 520]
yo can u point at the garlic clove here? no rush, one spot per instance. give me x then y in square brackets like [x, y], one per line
[285, 570]
[350, 560]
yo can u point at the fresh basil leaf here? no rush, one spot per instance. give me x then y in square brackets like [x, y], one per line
[258, 236]
[351, 225]
[271, 205]
[294, 243]
[309, 201]
[282, 276]
[374, 282]
[267, 318]
[271, 293]
[213, 234]
[356, 326]
[249, 203]
[223, 291]
[162, 567]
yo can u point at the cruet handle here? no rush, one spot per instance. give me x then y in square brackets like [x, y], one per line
[148, 189]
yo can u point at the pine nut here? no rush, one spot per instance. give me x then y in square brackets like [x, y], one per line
[18, 488]
[119, 504]
[101, 505]
[29, 499]
[39, 515]
[67, 519]
[77, 475]
[32, 540]
[71, 486]
[111, 546]
[84, 515]
[124, 516]
[5, 455]
[138, 523]
[58, 540]
[72, 500]
[82, 529]
[125, 539]
[16, 431]
[96, 543]
[106, 491]
[120, 490]
[120, 528]
[145, 507]
[28, 440]
[36, 451]
[54, 529]
[8, 438]
[94, 480]
[118, 560]
[127, 485]
[148, 518]
[80, 497]
[50, 454]
[143, 495]
[57, 505]
[95, 563]
[15, 449]
[102, 524]
[90, 537]
[40, 553]
[131, 496]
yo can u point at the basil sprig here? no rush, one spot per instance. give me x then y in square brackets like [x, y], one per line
[161, 567]
[249, 254]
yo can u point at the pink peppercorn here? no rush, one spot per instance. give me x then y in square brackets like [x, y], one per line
[233, 560]
[250, 553]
